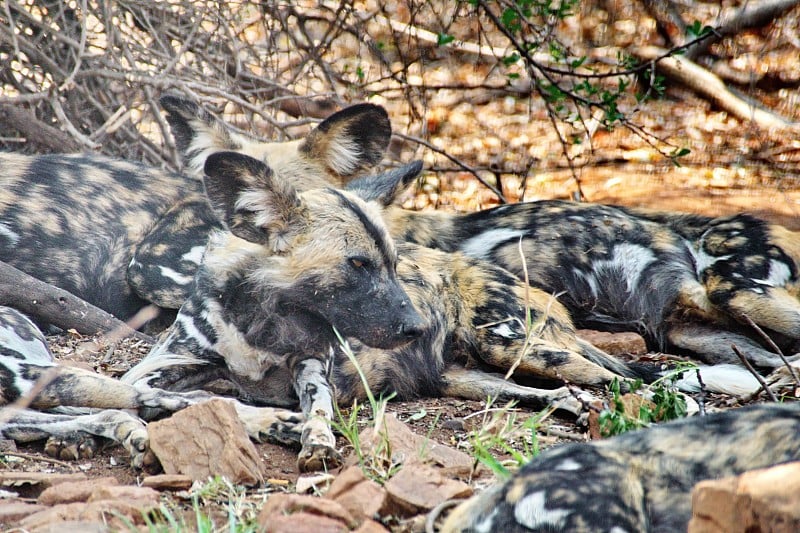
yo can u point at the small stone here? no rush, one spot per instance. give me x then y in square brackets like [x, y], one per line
[622, 343]
[31, 484]
[361, 496]
[418, 488]
[171, 482]
[454, 424]
[292, 504]
[302, 523]
[206, 439]
[140, 496]
[73, 491]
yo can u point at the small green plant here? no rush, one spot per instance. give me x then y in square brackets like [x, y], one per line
[377, 465]
[665, 403]
[503, 432]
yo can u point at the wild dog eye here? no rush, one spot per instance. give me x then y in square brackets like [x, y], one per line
[359, 262]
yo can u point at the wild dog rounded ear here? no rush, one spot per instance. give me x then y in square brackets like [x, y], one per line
[350, 140]
[252, 204]
[385, 188]
[189, 122]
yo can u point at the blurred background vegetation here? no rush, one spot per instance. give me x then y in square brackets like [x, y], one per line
[658, 102]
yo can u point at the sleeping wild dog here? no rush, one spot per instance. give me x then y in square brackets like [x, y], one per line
[638, 482]
[77, 221]
[685, 282]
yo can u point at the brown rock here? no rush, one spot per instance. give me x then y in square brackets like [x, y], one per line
[623, 343]
[31, 484]
[11, 512]
[361, 496]
[103, 512]
[140, 496]
[74, 526]
[168, 482]
[302, 523]
[73, 491]
[418, 488]
[407, 446]
[206, 439]
[760, 500]
[281, 504]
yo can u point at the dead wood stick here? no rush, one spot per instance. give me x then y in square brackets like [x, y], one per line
[709, 85]
[751, 15]
[772, 345]
[752, 370]
[57, 306]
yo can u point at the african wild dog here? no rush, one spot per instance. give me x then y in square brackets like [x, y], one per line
[638, 482]
[681, 280]
[25, 359]
[76, 221]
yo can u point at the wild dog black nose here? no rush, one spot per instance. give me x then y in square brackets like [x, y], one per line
[412, 325]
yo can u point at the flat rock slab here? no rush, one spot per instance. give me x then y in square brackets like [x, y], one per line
[407, 446]
[204, 440]
[418, 488]
[73, 491]
[295, 513]
[760, 500]
[354, 491]
[31, 484]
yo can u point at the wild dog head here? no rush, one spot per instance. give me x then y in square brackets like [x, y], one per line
[344, 144]
[318, 259]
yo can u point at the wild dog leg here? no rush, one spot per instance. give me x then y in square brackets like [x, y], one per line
[478, 385]
[713, 346]
[27, 425]
[316, 401]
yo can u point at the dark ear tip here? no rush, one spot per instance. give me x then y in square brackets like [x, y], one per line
[173, 103]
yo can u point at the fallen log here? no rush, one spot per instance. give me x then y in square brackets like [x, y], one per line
[52, 305]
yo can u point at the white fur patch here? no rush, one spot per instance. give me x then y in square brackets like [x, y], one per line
[343, 155]
[629, 260]
[531, 512]
[12, 236]
[33, 350]
[177, 277]
[195, 255]
[569, 465]
[779, 274]
[505, 331]
[481, 245]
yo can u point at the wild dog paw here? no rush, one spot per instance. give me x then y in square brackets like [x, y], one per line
[314, 457]
[271, 424]
[137, 444]
[72, 447]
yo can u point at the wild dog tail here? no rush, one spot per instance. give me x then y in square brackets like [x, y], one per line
[725, 378]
